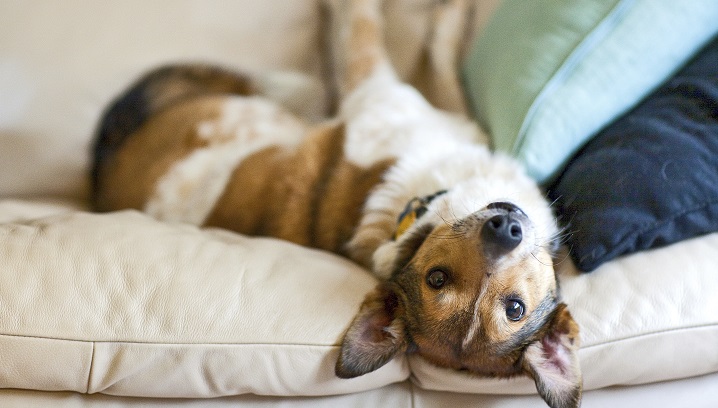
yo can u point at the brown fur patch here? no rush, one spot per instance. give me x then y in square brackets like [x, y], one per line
[248, 203]
[311, 196]
[158, 90]
[129, 177]
[315, 196]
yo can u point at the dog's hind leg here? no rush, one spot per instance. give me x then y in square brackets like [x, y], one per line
[444, 49]
[449, 31]
[359, 48]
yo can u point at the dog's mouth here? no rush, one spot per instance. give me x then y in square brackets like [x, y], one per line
[505, 206]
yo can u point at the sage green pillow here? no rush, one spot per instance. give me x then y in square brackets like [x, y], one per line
[546, 75]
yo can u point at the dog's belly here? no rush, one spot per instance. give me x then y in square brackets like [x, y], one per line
[310, 195]
[243, 164]
[189, 189]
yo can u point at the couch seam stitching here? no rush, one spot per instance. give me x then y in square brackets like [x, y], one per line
[92, 366]
[94, 342]
[618, 340]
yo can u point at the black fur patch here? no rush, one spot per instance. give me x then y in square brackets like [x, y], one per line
[122, 118]
[154, 91]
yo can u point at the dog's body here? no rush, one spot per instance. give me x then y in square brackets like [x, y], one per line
[199, 144]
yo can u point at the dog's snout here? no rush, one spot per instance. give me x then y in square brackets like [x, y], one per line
[501, 234]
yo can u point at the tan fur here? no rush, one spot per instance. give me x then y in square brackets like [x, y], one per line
[133, 172]
[314, 198]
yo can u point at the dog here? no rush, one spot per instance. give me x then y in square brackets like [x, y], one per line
[462, 239]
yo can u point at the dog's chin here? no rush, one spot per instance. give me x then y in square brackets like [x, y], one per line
[506, 206]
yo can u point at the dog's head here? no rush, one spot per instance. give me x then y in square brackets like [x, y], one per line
[478, 294]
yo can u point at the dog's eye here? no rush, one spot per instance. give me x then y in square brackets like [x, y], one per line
[436, 278]
[514, 310]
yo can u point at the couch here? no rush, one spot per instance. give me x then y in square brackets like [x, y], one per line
[118, 309]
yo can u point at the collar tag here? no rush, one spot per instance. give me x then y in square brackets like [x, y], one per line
[415, 208]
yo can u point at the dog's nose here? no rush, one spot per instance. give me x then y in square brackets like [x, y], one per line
[501, 234]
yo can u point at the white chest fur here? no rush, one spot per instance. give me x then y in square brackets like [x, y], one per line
[386, 119]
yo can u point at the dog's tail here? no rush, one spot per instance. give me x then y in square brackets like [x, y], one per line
[171, 84]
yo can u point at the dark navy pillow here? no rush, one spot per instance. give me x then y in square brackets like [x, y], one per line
[650, 178]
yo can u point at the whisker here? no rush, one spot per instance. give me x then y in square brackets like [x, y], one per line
[449, 236]
[533, 254]
[565, 257]
[552, 203]
[444, 220]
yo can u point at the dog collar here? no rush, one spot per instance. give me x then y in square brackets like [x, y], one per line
[415, 208]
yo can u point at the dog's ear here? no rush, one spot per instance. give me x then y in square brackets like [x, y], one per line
[375, 336]
[553, 363]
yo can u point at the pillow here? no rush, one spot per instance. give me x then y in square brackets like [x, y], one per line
[121, 304]
[650, 178]
[546, 75]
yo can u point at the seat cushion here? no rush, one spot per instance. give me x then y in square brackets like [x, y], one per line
[121, 304]
[546, 75]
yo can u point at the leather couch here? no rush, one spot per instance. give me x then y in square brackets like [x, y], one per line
[120, 310]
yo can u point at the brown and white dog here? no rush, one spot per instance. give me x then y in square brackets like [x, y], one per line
[468, 278]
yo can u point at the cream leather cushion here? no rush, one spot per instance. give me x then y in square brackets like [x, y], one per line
[123, 305]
